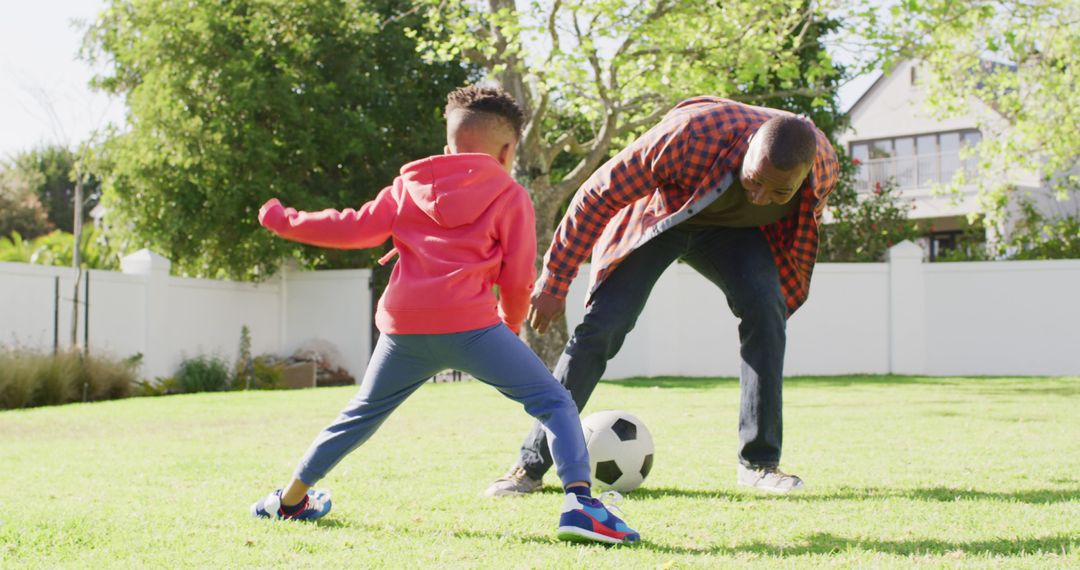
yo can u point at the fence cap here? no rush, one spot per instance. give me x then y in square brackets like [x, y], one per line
[905, 250]
[144, 262]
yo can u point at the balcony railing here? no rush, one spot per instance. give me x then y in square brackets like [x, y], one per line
[911, 172]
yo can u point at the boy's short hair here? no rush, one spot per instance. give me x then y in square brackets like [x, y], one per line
[487, 100]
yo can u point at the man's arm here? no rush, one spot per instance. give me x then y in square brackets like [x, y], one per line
[826, 172]
[656, 158]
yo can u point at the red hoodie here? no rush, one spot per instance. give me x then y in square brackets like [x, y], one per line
[459, 222]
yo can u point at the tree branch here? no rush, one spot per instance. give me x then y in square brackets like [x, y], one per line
[594, 63]
[647, 120]
[512, 79]
[598, 149]
[808, 20]
[807, 92]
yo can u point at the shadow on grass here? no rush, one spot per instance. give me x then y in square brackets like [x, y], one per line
[706, 383]
[813, 544]
[1020, 389]
[802, 545]
[994, 385]
[826, 543]
[930, 494]
[677, 382]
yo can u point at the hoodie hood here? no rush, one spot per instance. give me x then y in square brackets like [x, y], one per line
[454, 189]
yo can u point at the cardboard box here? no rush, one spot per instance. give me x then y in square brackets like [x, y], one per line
[299, 375]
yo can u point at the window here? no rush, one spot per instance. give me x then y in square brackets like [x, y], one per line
[881, 149]
[971, 140]
[927, 161]
[950, 156]
[905, 162]
[913, 162]
[860, 152]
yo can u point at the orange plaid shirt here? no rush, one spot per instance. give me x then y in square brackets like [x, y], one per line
[675, 169]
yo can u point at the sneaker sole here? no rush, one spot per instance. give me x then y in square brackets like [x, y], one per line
[773, 490]
[575, 534]
[510, 493]
[507, 493]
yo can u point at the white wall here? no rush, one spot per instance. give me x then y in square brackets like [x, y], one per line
[996, 318]
[904, 316]
[27, 299]
[167, 319]
[329, 305]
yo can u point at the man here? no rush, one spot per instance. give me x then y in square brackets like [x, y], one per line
[736, 192]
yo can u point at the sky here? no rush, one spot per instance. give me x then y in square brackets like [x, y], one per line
[44, 93]
[45, 96]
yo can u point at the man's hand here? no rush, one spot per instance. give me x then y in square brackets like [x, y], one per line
[543, 308]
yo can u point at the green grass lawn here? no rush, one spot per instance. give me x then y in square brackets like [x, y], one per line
[954, 472]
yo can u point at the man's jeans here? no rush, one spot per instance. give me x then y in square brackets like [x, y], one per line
[740, 262]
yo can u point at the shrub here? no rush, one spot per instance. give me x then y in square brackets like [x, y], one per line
[57, 379]
[245, 369]
[203, 374]
[157, 387]
[20, 208]
[864, 227]
[108, 379]
[1040, 236]
[17, 379]
[267, 373]
[57, 248]
[255, 373]
[33, 378]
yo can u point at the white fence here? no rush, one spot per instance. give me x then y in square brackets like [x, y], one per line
[166, 319]
[904, 316]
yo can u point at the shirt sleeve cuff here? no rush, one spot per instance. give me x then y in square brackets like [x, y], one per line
[555, 285]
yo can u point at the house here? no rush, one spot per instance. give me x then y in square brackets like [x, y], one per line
[893, 137]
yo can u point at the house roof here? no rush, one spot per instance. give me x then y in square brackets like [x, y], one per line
[873, 86]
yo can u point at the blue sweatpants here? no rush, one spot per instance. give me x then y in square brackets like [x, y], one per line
[494, 355]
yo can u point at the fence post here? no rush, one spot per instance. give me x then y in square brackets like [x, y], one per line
[907, 310]
[156, 347]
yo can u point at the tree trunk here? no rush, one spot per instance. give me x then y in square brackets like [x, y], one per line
[548, 346]
[76, 258]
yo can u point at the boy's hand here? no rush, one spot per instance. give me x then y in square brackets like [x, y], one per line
[272, 214]
[544, 308]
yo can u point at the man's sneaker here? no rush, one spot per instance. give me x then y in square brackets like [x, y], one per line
[770, 479]
[318, 504]
[515, 483]
[589, 520]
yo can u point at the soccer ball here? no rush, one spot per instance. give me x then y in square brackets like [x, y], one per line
[620, 450]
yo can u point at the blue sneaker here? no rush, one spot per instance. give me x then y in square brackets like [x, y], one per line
[589, 520]
[318, 504]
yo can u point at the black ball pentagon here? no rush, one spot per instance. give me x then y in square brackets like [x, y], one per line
[608, 472]
[646, 466]
[626, 431]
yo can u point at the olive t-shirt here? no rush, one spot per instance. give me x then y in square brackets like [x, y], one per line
[732, 209]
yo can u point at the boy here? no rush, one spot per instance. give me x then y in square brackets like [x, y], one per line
[461, 225]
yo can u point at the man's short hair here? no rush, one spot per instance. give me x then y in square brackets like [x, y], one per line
[486, 100]
[788, 141]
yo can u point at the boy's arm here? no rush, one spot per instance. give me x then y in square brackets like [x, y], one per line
[517, 234]
[346, 229]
